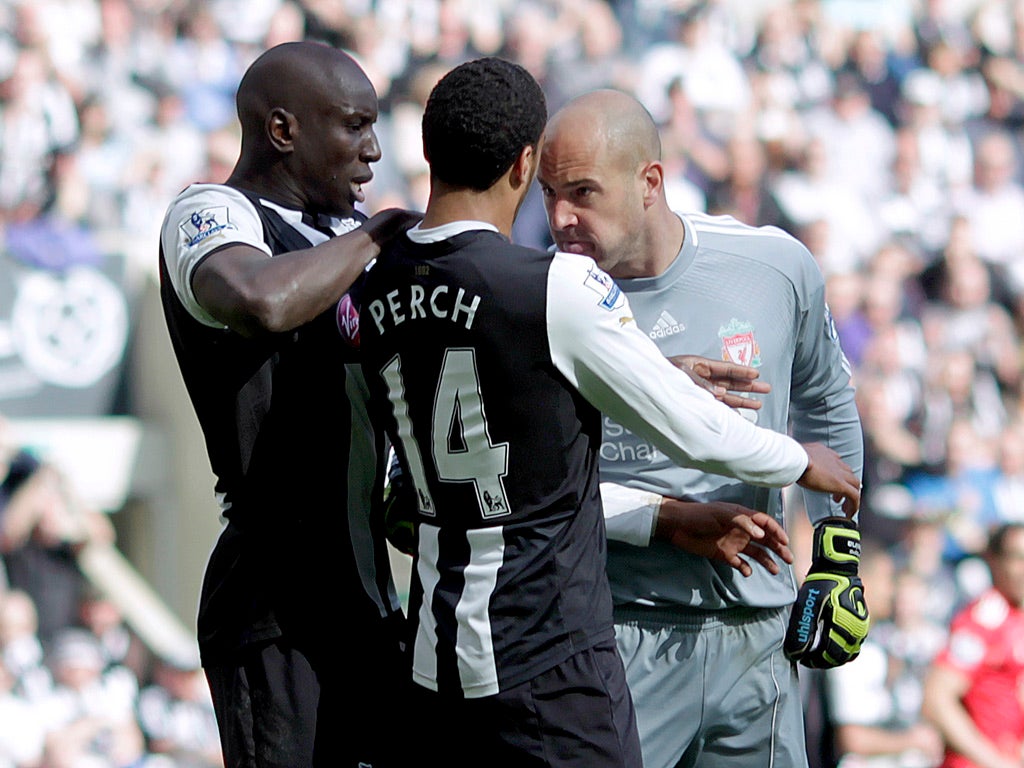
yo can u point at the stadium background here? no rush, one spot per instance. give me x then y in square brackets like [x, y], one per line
[885, 134]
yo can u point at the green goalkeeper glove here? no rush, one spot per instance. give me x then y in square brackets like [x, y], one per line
[829, 621]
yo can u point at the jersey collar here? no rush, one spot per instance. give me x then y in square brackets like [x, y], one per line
[675, 270]
[447, 231]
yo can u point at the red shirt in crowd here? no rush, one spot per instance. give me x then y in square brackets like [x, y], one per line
[986, 644]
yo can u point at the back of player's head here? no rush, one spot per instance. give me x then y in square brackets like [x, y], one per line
[478, 119]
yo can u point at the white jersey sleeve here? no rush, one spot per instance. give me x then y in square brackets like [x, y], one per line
[596, 345]
[630, 514]
[201, 219]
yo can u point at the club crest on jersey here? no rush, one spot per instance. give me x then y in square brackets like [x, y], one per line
[602, 284]
[348, 321]
[202, 225]
[738, 343]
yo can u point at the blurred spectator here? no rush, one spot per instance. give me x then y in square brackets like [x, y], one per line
[857, 141]
[972, 693]
[814, 194]
[786, 62]
[712, 75]
[963, 94]
[42, 527]
[1003, 79]
[944, 149]
[920, 552]
[844, 292]
[90, 716]
[938, 21]
[994, 208]
[37, 122]
[913, 208]
[745, 192]
[176, 714]
[875, 700]
[594, 59]
[20, 649]
[962, 490]
[869, 62]
[968, 319]
[205, 69]
[688, 146]
[100, 615]
[90, 183]
[1009, 486]
[956, 390]
[21, 728]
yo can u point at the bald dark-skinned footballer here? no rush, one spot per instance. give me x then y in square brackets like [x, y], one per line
[259, 283]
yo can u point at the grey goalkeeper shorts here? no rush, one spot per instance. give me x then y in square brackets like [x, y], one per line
[712, 688]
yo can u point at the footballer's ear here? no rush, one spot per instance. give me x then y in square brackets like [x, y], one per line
[282, 127]
[524, 167]
[652, 180]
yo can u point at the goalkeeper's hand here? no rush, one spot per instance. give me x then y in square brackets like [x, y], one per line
[830, 618]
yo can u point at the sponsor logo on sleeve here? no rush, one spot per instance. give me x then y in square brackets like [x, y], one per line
[201, 225]
[602, 284]
[739, 344]
[348, 321]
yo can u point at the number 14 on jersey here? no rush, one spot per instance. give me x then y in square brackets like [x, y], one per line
[460, 442]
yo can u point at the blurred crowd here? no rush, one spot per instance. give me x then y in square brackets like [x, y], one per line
[885, 134]
[78, 689]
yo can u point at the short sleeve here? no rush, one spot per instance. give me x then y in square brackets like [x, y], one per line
[202, 219]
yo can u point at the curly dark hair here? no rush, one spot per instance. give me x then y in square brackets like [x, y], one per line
[478, 119]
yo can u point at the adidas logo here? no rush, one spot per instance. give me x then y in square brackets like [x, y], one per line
[666, 326]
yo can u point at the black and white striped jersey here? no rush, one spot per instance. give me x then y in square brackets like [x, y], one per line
[488, 363]
[284, 416]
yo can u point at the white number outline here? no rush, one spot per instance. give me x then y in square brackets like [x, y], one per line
[459, 406]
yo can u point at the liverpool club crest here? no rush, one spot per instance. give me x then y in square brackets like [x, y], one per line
[738, 343]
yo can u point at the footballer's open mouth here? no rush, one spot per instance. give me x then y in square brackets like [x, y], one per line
[567, 245]
[357, 187]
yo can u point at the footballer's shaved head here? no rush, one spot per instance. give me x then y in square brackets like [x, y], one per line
[616, 120]
[294, 77]
[604, 185]
[307, 112]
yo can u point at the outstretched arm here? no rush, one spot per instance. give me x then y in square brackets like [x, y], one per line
[722, 379]
[596, 345]
[725, 532]
[721, 531]
[250, 293]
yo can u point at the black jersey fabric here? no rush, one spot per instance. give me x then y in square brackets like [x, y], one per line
[297, 464]
[510, 571]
